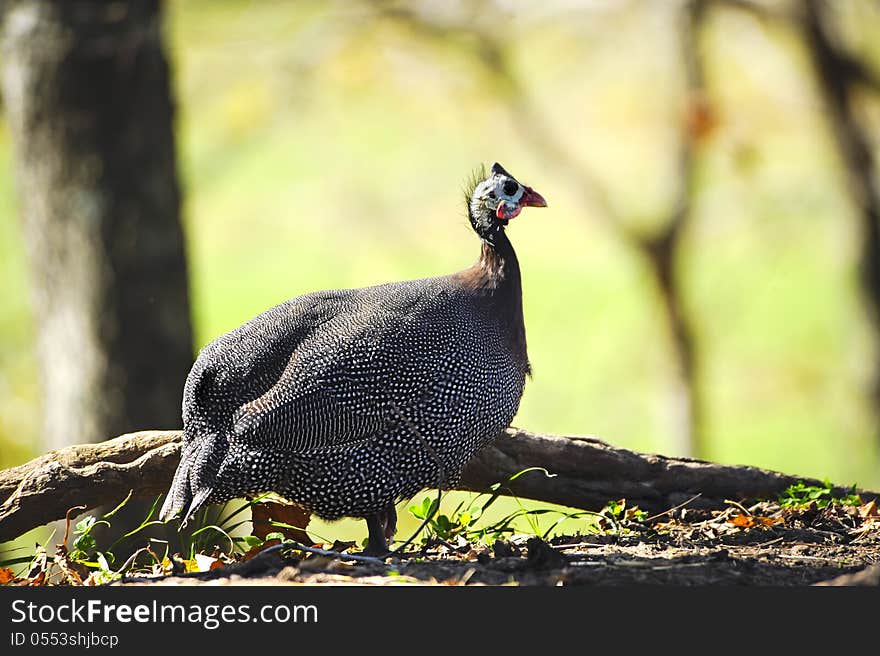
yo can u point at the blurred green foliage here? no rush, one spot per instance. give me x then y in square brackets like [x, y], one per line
[321, 150]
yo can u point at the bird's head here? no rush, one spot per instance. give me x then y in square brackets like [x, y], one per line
[495, 198]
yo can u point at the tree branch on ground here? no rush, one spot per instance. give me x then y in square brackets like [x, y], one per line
[586, 473]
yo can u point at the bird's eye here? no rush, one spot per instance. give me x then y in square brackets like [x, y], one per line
[510, 187]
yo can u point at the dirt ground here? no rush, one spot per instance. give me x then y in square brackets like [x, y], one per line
[761, 545]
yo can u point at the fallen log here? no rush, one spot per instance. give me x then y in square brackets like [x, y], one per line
[86, 475]
[586, 473]
[590, 472]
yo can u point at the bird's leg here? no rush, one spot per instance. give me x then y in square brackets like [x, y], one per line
[376, 543]
[381, 528]
[390, 523]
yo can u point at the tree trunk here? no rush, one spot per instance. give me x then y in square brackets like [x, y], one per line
[837, 75]
[86, 91]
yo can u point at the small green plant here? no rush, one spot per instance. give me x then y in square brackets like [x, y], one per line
[85, 544]
[446, 527]
[619, 511]
[616, 515]
[801, 494]
[465, 518]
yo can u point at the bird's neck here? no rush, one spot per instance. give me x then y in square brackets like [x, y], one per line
[498, 269]
[496, 277]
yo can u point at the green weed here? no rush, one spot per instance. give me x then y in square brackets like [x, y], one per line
[465, 519]
[801, 494]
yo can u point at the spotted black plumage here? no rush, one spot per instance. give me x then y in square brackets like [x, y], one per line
[344, 401]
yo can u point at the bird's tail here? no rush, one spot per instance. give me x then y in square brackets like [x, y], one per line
[192, 485]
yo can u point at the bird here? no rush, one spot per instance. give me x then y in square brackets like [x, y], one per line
[349, 401]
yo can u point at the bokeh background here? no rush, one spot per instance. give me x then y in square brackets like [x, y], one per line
[695, 285]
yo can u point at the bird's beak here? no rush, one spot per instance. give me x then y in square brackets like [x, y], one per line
[532, 198]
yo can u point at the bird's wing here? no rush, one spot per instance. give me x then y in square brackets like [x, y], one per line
[319, 400]
[338, 383]
[244, 364]
[342, 383]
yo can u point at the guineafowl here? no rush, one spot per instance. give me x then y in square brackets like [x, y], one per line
[349, 401]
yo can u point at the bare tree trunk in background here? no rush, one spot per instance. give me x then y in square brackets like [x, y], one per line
[837, 73]
[663, 249]
[87, 96]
